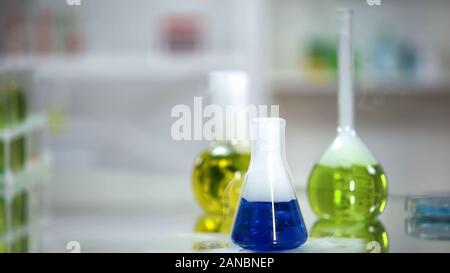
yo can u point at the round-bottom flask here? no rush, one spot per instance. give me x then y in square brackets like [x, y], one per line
[347, 183]
[214, 170]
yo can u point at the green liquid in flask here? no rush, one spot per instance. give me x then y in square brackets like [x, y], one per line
[217, 177]
[347, 183]
[348, 193]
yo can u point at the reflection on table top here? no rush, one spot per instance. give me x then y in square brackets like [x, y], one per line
[171, 229]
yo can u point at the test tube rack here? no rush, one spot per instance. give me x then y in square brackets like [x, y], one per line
[22, 203]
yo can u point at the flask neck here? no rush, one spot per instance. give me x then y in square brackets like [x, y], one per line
[268, 178]
[268, 145]
[346, 70]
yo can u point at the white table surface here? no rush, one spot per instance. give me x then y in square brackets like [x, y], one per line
[158, 214]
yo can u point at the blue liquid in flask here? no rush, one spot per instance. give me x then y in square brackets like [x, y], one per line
[266, 226]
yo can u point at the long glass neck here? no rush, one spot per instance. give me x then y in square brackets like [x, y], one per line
[268, 140]
[346, 70]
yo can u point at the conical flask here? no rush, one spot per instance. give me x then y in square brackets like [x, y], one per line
[347, 183]
[268, 217]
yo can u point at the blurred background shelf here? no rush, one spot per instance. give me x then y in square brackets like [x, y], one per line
[109, 67]
[293, 82]
[165, 70]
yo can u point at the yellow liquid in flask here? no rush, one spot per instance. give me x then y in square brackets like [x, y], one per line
[216, 178]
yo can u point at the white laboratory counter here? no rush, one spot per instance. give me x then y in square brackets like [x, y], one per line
[112, 212]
